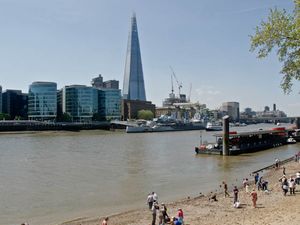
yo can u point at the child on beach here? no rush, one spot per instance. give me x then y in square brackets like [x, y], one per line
[254, 197]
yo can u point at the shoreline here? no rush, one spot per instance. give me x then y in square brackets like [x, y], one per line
[222, 211]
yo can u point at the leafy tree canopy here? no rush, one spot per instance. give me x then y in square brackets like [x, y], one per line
[281, 32]
[145, 114]
[4, 116]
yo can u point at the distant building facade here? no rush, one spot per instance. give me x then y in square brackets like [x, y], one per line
[130, 108]
[79, 101]
[42, 101]
[14, 103]
[231, 109]
[133, 85]
[98, 82]
[109, 104]
[111, 84]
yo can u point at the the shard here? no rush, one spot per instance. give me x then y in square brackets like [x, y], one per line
[133, 85]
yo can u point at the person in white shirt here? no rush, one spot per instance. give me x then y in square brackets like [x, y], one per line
[155, 197]
[298, 177]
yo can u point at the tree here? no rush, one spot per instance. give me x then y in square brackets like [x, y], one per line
[4, 116]
[281, 32]
[145, 114]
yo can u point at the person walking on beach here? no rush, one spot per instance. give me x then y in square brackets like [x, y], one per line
[284, 186]
[292, 185]
[283, 170]
[254, 197]
[161, 220]
[154, 212]
[164, 212]
[276, 163]
[298, 177]
[150, 200]
[225, 187]
[256, 178]
[104, 222]
[235, 194]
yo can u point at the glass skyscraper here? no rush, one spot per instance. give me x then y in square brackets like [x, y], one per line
[133, 85]
[80, 102]
[109, 103]
[42, 101]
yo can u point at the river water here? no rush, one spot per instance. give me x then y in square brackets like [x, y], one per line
[51, 177]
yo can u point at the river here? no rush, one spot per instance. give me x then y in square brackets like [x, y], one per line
[50, 177]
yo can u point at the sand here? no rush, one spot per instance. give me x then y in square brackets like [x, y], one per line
[272, 208]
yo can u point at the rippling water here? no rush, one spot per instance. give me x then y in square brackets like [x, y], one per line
[47, 178]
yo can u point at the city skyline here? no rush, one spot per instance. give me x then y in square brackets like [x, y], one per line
[206, 43]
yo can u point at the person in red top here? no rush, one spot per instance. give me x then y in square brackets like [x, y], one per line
[254, 197]
[104, 222]
[180, 215]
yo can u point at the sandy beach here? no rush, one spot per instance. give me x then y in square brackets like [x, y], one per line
[272, 207]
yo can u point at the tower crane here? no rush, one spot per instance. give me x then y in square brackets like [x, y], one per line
[179, 84]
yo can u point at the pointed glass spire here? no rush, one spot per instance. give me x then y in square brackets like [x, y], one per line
[133, 85]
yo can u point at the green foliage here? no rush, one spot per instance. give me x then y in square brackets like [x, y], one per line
[281, 31]
[145, 115]
[4, 116]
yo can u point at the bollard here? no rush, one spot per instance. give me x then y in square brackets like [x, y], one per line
[226, 135]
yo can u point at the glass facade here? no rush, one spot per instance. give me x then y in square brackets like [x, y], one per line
[133, 85]
[14, 103]
[80, 102]
[42, 101]
[109, 101]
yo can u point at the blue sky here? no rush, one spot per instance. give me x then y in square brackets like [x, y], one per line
[206, 42]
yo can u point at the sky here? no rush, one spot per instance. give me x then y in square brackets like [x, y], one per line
[206, 42]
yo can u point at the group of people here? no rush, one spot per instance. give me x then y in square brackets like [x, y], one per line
[288, 185]
[161, 210]
[236, 202]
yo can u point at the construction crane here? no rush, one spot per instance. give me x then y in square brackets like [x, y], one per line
[178, 84]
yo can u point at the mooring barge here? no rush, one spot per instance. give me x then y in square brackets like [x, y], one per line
[246, 142]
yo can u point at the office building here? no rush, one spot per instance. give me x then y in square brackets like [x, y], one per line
[133, 85]
[109, 104]
[231, 109]
[111, 84]
[14, 103]
[79, 101]
[42, 101]
[97, 82]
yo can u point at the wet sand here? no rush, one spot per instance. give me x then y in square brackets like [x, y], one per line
[272, 208]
